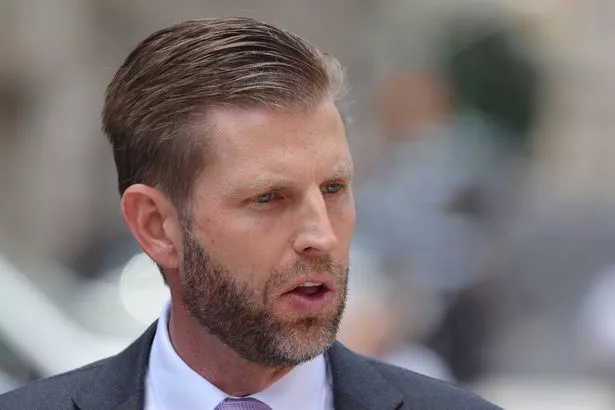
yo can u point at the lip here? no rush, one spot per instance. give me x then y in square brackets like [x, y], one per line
[312, 304]
[318, 303]
[325, 280]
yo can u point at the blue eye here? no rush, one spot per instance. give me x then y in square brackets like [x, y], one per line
[264, 198]
[332, 188]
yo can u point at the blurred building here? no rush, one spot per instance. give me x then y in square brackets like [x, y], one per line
[505, 262]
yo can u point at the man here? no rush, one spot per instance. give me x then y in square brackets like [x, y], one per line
[235, 179]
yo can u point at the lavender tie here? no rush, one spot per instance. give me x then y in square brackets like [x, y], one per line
[242, 404]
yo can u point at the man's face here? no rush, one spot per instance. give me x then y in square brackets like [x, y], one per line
[265, 254]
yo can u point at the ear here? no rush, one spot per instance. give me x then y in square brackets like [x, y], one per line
[153, 222]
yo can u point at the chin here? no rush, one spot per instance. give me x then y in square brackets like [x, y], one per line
[310, 337]
[293, 354]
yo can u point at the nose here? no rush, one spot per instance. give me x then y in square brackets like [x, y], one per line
[314, 235]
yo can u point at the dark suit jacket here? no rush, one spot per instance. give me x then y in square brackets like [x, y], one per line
[359, 383]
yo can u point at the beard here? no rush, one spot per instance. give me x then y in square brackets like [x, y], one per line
[243, 319]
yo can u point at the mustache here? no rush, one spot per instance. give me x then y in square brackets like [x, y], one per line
[316, 264]
[320, 264]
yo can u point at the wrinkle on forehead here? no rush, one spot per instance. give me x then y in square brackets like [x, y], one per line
[260, 147]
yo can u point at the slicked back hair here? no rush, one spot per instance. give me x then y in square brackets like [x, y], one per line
[156, 105]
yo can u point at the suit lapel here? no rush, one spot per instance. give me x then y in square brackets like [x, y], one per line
[119, 382]
[357, 385]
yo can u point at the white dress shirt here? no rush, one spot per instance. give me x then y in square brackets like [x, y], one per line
[171, 384]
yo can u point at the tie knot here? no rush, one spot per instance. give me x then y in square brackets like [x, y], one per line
[242, 404]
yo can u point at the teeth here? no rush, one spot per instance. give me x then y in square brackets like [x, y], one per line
[310, 284]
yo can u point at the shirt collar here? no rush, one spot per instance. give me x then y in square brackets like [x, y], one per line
[176, 386]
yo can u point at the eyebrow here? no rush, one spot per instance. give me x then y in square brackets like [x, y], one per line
[264, 183]
[343, 171]
[270, 181]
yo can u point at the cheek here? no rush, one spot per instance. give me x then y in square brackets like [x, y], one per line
[351, 213]
[344, 230]
[250, 251]
[265, 234]
[343, 218]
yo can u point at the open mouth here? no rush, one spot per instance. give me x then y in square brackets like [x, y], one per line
[309, 296]
[310, 289]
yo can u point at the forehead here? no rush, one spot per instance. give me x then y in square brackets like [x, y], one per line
[249, 141]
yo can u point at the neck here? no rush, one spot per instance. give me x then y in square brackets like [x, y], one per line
[213, 360]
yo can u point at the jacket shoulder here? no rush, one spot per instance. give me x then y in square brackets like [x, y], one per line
[50, 393]
[428, 393]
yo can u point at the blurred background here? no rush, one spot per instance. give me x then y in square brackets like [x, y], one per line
[485, 160]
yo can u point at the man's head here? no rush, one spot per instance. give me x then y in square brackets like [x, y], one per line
[235, 179]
